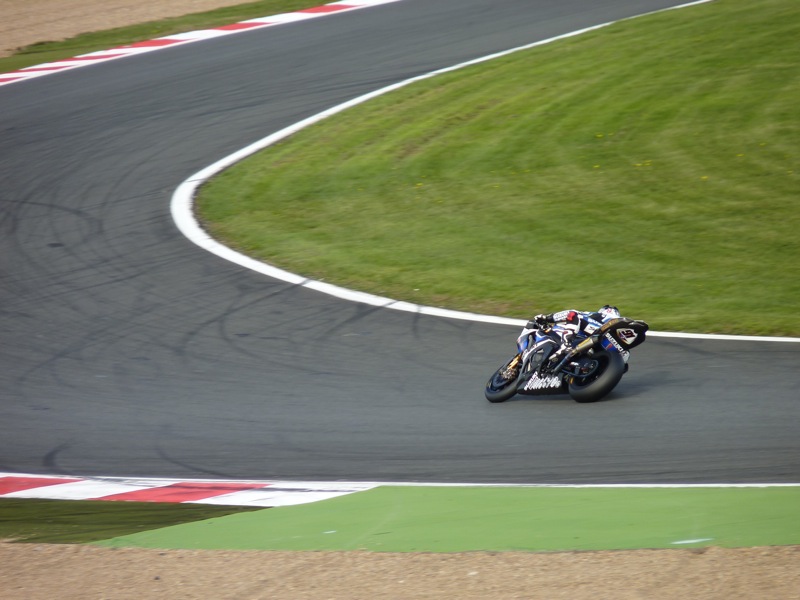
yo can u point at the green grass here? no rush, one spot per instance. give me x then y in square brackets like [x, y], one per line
[49, 51]
[652, 164]
[73, 522]
[440, 519]
[429, 519]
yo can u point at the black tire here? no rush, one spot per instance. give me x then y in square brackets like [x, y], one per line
[500, 387]
[596, 386]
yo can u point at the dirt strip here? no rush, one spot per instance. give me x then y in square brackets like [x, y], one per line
[32, 21]
[44, 572]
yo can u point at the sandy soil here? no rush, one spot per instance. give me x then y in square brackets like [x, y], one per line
[25, 22]
[44, 572]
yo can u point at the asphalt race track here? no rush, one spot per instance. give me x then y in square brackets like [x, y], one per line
[126, 350]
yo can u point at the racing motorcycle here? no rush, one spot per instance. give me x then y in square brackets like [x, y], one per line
[591, 367]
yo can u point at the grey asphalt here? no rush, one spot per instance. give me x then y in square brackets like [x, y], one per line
[126, 350]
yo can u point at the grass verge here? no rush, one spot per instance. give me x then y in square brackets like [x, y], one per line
[72, 522]
[652, 164]
[50, 51]
[441, 519]
[430, 519]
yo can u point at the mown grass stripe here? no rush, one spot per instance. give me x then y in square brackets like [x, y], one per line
[650, 164]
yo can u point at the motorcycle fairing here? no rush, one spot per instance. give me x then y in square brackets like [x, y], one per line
[622, 334]
[542, 384]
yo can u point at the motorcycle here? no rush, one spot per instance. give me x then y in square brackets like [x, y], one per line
[592, 366]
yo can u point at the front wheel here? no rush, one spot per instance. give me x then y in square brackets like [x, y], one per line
[608, 370]
[503, 384]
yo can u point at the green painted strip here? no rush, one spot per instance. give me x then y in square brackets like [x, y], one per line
[432, 519]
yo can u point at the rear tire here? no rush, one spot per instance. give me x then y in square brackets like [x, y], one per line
[503, 385]
[597, 385]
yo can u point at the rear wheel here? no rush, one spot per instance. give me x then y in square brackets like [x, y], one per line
[503, 384]
[604, 370]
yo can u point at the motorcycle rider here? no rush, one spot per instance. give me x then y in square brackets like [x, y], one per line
[568, 323]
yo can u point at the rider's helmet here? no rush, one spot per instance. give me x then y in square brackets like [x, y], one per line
[609, 312]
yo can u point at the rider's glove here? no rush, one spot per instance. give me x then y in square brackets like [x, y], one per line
[537, 322]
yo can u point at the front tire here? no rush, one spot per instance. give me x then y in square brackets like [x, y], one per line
[610, 369]
[503, 384]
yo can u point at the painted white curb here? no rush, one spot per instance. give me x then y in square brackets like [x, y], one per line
[188, 491]
[265, 494]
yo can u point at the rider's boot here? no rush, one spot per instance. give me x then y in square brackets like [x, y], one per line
[556, 357]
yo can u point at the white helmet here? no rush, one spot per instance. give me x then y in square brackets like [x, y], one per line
[609, 312]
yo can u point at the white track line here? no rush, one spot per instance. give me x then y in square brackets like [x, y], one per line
[183, 214]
